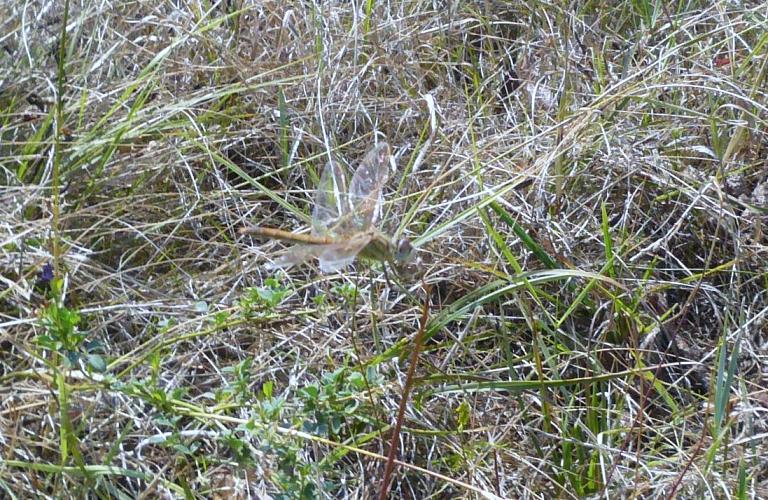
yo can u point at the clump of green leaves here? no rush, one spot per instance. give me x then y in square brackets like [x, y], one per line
[331, 408]
[239, 388]
[332, 405]
[347, 291]
[62, 334]
[263, 300]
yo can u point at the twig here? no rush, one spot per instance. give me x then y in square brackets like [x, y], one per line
[406, 392]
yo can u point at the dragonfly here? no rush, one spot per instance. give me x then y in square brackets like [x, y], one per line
[344, 220]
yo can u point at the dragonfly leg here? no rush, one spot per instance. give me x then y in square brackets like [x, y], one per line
[386, 276]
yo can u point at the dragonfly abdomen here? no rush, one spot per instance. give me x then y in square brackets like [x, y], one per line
[279, 234]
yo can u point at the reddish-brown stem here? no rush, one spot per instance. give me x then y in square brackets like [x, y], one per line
[406, 392]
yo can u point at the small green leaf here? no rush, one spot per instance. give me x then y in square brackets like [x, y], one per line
[462, 415]
[267, 388]
[97, 363]
[310, 391]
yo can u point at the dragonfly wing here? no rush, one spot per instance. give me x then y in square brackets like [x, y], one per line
[365, 189]
[331, 200]
[295, 255]
[337, 256]
[332, 256]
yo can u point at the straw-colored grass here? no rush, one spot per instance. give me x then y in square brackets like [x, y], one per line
[585, 182]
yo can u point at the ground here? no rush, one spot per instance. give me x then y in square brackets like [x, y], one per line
[584, 184]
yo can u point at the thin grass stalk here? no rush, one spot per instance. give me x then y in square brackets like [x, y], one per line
[406, 392]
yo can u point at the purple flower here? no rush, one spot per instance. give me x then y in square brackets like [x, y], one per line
[46, 273]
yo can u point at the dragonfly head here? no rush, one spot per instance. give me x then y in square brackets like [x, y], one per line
[404, 252]
[406, 264]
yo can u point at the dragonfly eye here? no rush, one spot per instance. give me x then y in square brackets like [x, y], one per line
[404, 252]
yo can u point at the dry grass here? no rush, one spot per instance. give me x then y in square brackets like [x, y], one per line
[587, 187]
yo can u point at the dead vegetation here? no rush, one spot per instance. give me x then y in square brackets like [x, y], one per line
[586, 185]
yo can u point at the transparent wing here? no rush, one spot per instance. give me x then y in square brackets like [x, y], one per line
[331, 200]
[294, 256]
[332, 257]
[339, 255]
[365, 189]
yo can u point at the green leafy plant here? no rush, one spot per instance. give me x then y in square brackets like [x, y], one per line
[331, 406]
[347, 291]
[63, 336]
[263, 300]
